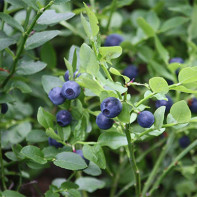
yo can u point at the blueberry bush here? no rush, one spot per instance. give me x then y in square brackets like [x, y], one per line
[98, 98]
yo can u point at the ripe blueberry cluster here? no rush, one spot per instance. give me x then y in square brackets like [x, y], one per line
[70, 90]
[113, 40]
[4, 108]
[110, 108]
[193, 105]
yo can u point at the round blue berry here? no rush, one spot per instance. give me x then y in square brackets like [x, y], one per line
[193, 105]
[63, 118]
[113, 40]
[111, 107]
[168, 103]
[4, 108]
[53, 142]
[55, 96]
[184, 141]
[70, 90]
[131, 71]
[80, 153]
[103, 122]
[145, 119]
[176, 60]
[66, 76]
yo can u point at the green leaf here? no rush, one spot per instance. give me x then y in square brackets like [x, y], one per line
[88, 60]
[34, 153]
[95, 154]
[124, 115]
[112, 139]
[36, 136]
[159, 85]
[18, 3]
[188, 75]
[109, 53]
[157, 132]
[39, 38]
[86, 26]
[73, 193]
[11, 21]
[89, 184]
[122, 3]
[30, 67]
[70, 161]
[64, 132]
[161, 50]
[93, 21]
[49, 82]
[69, 68]
[172, 23]
[153, 20]
[10, 193]
[51, 133]
[45, 118]
[31, 3]
[5, 41]
[69, 185]
[192, 31]
[93, 170]
[50, 17]
[48, 55]
[133, 117]
[21, 86]
[148, 30]
[159, 117]
[181, 112]
[183, 89]
[107, 93]
[86, 80]
[116, 72]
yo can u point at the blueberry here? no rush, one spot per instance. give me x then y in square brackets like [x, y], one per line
[103, 122]
[4, 108]
[168, 103]
[55, 96]
[170, 82]
[63, 118]
[113, 40]
[70, 90]
[184, 141]
[131, 71]
[193, 105]
[176, 60]
[53, 142]
[111, 107]
[66, 76]
[80, 153]
[145, 119]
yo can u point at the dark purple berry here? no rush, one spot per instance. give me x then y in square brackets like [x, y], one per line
[145, 119]
[55, 96]
[113, 40]
[4, 108]
[103, 122]
[63, 118]
[192, 103]
[184, 141]
[70, 90]
[168, 103]
[131, 71]
[111, 107]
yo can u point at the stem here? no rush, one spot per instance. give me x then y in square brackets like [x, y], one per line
[116, 178]
[24, 39]
[106, 72]
[172, 165]
[158, 164]
[2, 167]
[113, 7]
[133, 162]
[146, 98]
